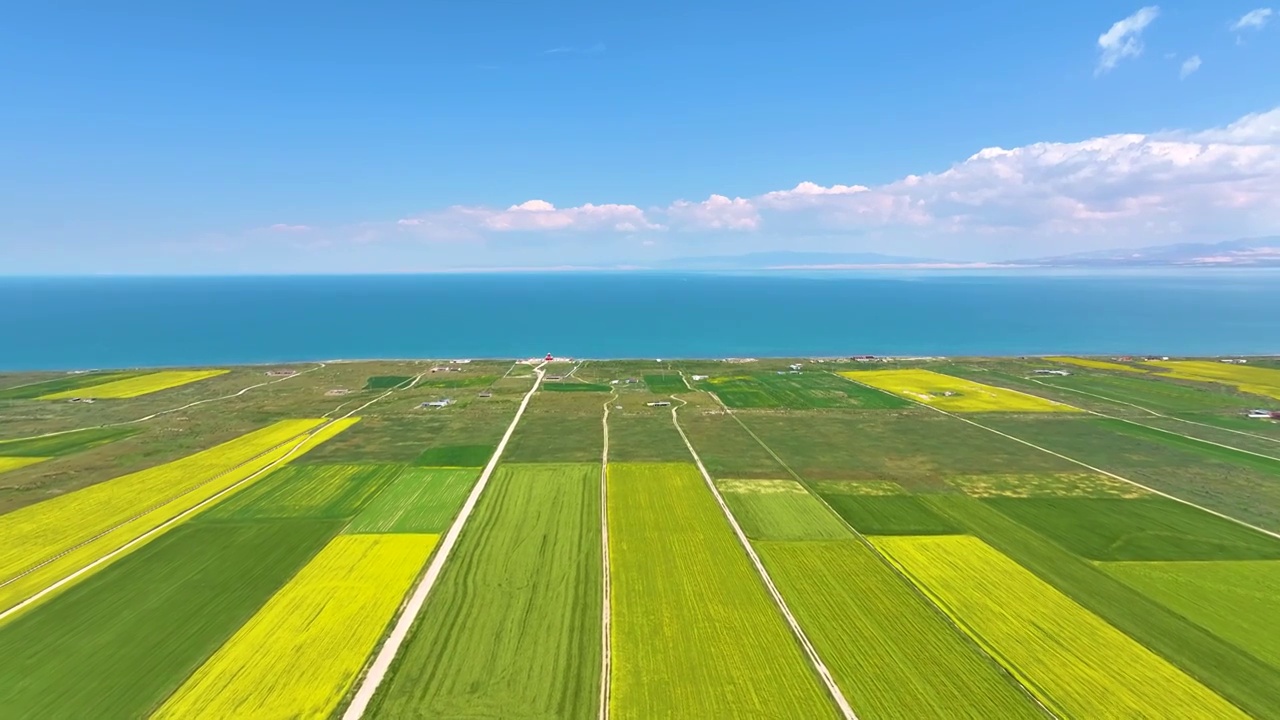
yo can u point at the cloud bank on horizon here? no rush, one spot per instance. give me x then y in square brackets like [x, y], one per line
[1168, 186]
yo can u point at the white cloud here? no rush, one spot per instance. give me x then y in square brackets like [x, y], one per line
[1253, 20]
[286, 228]
[715, 213]
[1124, 39]
[1189, 66]
[1115, 190]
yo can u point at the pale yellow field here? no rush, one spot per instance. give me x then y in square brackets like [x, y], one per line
[135, 386]
[931, 388]
[1097, 364]
[13, 463]
[1245, 378]
[43, 543]
[299, 655]
[1075, 662]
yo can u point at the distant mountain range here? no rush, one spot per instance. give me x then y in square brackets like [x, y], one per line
[1251, 252]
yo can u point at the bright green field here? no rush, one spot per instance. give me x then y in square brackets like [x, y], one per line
[694, 633]
[1052, 644]
[117, 644]
[475, 456]
[512, 629]
[420, 500]
[807, 389]
[386, 382]
[891, 654]
[1139, 529]
[889, 514]
[575, 387]
[1237, 600]
[665, 384]
[308, 491]
[780, 510]
[63, 444]
[62, 384]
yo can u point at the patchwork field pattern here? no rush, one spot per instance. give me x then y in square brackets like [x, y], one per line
[1047, 640]
[310, 491]
[694, 633]
[420, 500]
[321, 626]
[780, 510]
[1262, 381]
[801, 390]
[889, 514]
[1083, 485]
[512, 627]
[116, 645]
[890, 653]
[1236, 600]
[954, 394]
[138, 385]
[32, 391]
[1148, 529]
[1094, 364]
[43, 542]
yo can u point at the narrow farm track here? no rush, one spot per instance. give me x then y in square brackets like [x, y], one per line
[818, 665]
[1109, 474]
[301, 441]
[1160, 415]
[377, 670]
[606, 618]
[189, 405]
[928, 601]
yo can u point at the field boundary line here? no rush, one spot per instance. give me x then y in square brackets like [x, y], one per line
[1161, 415]
[376, 671]
[810, 651]
[1109, 474]
[155, 415]
[606, 614]
[965, 636]
[176, 519]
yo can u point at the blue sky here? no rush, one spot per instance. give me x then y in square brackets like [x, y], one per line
[292, 137]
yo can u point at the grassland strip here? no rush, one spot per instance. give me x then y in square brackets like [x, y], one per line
[377, 670]
[155, 415]
[323, 431]
[897, 572]
[1109, 474]
[823, 672]
[606, 618]
[1157, 414]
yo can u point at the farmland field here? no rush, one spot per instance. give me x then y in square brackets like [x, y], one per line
[780, 510]
[1047, 640]
[1095, 364]
[1262, 381]
[132, 387]
[694, 633]
[203, 552]
[892, 656]
[418, 500]
[796, 390]
[513, 628]
[116, 645]
[320, 626]
[13, 463]
[953, 394]
[1238, 600]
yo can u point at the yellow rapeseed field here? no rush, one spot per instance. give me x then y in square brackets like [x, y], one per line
[299, 655]
[135, 386]
[42, 543]
[1097, 364]
[953, 394]
[13, 463]
[1245, 378]
[1075, 662]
